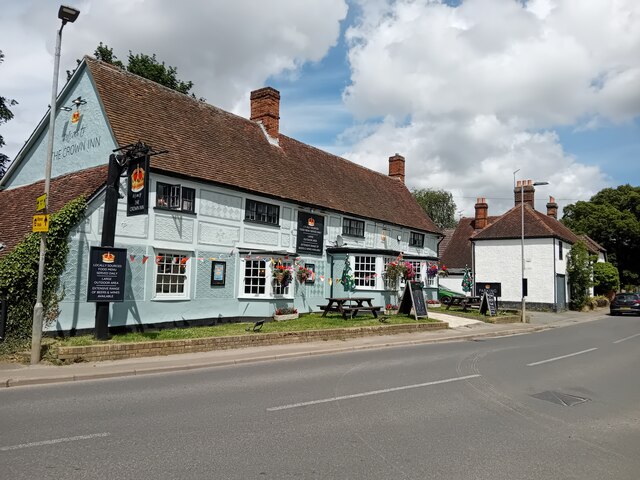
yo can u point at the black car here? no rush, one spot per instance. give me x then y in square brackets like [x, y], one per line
[625, 303]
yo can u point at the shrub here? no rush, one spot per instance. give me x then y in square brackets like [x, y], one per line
[579, 270]
[605, 278]
[602, 301]
[19, 275]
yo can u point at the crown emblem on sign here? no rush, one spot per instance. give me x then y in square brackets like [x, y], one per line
[108, 257]
[137, 179]
[75, 117]
[311, 222]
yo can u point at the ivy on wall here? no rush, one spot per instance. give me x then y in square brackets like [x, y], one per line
[19, 275]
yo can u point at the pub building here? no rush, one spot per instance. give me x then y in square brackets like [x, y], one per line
[231, 200]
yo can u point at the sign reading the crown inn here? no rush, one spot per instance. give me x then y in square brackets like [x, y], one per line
[107, 272]
[138, 186]
[310, 233]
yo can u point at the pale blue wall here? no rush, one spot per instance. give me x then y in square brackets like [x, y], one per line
[215, 231]
[76, 147]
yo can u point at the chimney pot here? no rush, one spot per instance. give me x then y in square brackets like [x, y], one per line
[482, 209]
[525, 187]
[396, 167]
[265, 108]
[552, 208]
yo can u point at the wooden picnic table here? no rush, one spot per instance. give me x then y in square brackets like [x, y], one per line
[464, 302]
[349, 306]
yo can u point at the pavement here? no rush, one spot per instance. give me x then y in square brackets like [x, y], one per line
[461, 329]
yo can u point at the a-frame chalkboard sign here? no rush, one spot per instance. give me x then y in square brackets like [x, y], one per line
[488, 304]
[413, 297]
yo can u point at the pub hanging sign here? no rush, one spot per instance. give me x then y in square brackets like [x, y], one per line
[138, 186]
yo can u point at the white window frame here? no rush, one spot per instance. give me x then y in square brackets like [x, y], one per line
[271, 289]
[419, 266]
[373, 274]
[186, 294]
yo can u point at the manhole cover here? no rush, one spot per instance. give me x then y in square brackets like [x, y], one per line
[558, 398]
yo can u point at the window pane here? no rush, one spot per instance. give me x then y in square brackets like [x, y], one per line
[171, 273]
[162, 195]
[254, 277]
[262, 212]
[188, 200]
[353, 227]
[364, 271]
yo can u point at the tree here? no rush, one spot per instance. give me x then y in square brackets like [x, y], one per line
[145, 66]
[612, 218]
[438, 204]
[5, 115]
[605, 278]
[579, 269]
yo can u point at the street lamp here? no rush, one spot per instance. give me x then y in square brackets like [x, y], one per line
[66, 14]
[534, 184]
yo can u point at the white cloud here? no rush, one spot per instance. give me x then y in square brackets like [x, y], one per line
[226, 48]
[471, 93]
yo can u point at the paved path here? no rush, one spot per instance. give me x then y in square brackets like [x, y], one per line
[12, 375]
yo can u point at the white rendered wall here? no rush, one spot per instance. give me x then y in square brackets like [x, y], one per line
[501, 261]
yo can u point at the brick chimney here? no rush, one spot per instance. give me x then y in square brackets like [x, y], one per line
[529, 192]
[482, 209]
[265, 108]
[396, 167]
[552, 208]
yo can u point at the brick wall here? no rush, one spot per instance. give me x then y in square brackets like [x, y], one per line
[118, 351]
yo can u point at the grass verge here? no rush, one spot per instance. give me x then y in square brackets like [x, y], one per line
[312, 321]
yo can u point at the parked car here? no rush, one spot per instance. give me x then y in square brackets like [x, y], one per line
[625, 303]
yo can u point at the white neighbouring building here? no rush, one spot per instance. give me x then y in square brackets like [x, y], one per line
[491, 247]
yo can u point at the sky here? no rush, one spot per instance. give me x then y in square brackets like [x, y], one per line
[467, 91]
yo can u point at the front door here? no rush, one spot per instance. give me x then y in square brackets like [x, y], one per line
[561, 293]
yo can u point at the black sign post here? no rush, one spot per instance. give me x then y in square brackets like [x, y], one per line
[413, 297]
[138, 186]
[310, 233]
[107, 272]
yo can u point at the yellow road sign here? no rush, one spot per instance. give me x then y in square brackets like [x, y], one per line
[41, 202]
[40, 223]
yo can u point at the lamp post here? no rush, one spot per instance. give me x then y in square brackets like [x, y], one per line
[523, 319]
[66, 14]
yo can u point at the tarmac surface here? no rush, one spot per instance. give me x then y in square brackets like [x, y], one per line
[461, 329]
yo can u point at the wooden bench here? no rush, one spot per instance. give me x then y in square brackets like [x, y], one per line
[353, 311]
[464, 302]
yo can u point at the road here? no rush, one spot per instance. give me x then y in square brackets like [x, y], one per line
[558, 404]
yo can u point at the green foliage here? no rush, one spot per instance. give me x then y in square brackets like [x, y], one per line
[605, 278]
[5, 115]
[145, 66]
[438, 204]
[19, 275]
[612, 218]
[579, 268]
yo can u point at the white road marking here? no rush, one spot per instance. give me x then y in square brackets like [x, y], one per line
[560, 358]
[627, 338]
[54, 441]
[374, 392]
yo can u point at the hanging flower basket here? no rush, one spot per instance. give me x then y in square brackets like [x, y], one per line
[282, 275]
[303, 274]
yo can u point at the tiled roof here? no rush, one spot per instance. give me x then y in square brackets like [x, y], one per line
[592, 245]
[457, 254]
[536, 225]
[442, 247]
[18, 204]
[207, 143]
